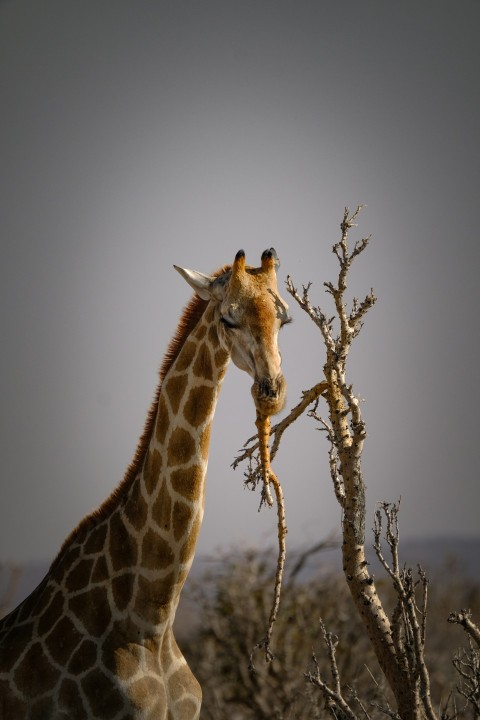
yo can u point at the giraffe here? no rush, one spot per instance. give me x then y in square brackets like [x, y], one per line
[95, 638]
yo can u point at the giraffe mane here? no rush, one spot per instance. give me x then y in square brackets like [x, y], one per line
[190, 317]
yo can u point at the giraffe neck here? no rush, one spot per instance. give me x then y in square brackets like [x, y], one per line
[132, 556]
[171, 484]
[108, 603]
[163, 509]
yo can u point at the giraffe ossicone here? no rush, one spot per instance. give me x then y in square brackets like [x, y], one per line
[94, 640]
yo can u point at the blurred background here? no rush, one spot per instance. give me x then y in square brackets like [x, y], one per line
[138, 135]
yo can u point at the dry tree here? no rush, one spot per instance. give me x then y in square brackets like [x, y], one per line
[397, 637]
[398, 640]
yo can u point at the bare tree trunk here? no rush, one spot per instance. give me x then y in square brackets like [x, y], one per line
[398, 643]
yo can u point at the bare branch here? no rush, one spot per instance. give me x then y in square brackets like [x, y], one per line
[464, 618]
[249, 453]
[333, 697]
[467, 665]
[263, 425]
[315, 313]
[358, 312]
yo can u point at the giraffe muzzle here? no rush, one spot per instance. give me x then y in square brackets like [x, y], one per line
[269, 394]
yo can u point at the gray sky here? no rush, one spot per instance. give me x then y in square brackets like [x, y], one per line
[135, 135]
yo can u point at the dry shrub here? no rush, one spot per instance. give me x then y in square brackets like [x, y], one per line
[233, 602]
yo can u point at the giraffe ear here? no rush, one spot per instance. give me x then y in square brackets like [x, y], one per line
[202, 284]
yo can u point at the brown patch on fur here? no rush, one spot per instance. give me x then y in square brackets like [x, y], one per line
[143, 692]
[198, 405]
[186, 707]
[29, 680]
[118, 653]
[163, 420]
[63, 642]
[156, 552]
[186, 356]
[213, 336]
[84, 656]
[124, 662]
[183, 515]
[177, 683]
[151, 470]
[122, 589]
[221, 357]
[200, 333]
[79, 576]
[67, 561]
[39, 709]
[12, 707]
[188, 548]
[154, 597]
[92, 609]
[51, 614]
[13, 645]
[162, 508]
[175, 388]
[202, 366]
[104, 697]
[185, 482]
[95, 541]
[123, 546]
[181, 447]
[205, 443]
[136, 510]
[68, 697]
[100, 572]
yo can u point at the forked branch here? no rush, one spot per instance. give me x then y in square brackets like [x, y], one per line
[464, 618]
[398, 641]
[332, 691]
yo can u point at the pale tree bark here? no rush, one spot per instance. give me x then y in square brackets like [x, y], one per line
[398, 641]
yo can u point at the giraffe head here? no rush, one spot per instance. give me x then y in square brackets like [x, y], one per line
[248, 313]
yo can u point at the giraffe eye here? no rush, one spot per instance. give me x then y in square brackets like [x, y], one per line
[228, 323]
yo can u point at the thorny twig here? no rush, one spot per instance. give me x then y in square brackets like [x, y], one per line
[350, 323]
[407, 611]
[467, 663]
[263, 426]
[464, 618]
[332, 693]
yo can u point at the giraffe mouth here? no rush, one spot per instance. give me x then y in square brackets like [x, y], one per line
[269, 395]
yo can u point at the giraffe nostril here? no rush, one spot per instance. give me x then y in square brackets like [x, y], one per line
[267, 388]
[269, 394]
